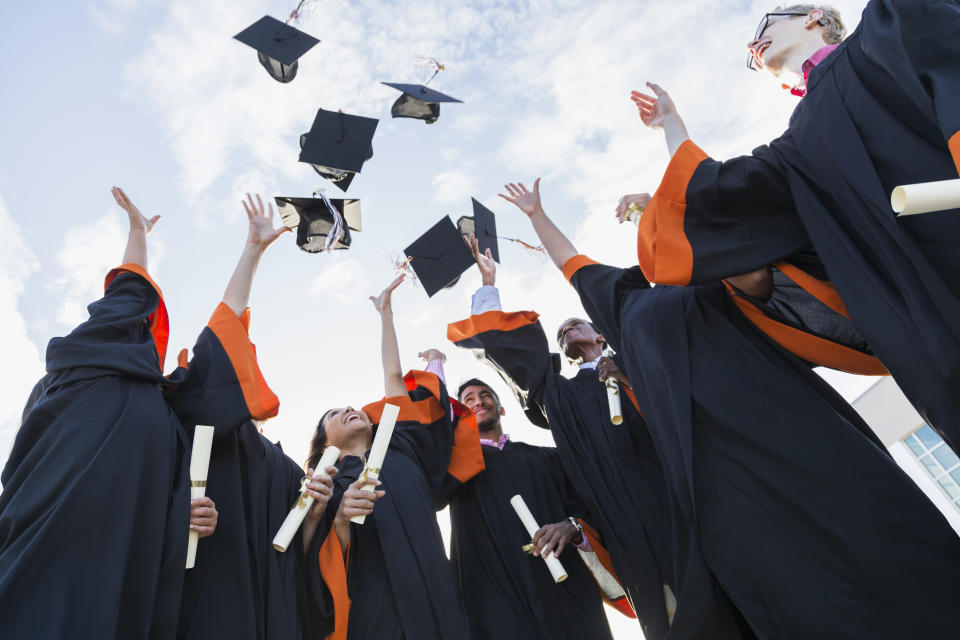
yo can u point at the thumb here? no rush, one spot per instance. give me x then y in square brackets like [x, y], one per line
[656, 89]
[488, 253]
[154, 220]
[536, 187]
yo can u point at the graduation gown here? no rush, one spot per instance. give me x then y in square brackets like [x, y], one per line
[95, 509]
[881, 110]
[802, 517]
[507, 593]
[614, 470]
[240, 586]
[397, 582]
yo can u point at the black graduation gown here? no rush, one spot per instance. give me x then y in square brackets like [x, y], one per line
[881, 110]
[398, 582]
[240, 586]
[95, 507]
[806, 522]
[507, 593]
[614, 470]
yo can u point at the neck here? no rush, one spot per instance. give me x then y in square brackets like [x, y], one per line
[791, 71]
[493, 433]
[356, 447]
[591, 352]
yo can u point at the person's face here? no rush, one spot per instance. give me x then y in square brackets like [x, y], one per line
[573, 334]
[776, 40]
[346, 425]
[482, 401]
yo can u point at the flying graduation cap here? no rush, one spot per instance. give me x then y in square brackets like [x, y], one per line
[418, 101]
[278, 45]
[337, 145]
[439, 256]
[482, 224]
[322, 224]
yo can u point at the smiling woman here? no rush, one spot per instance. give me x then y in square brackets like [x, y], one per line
[364, 579]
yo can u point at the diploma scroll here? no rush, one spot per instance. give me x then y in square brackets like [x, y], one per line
[613, 399]
[199, 465]
[378, 451]
[613, 392]
[556, 569]
[925, 197]
[299, 510]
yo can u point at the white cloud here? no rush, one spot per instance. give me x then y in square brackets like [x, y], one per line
[24, 362]
[451, 186]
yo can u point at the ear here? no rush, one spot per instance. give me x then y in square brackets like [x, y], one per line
[813, 18]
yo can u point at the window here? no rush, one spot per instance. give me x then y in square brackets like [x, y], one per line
[938, 459]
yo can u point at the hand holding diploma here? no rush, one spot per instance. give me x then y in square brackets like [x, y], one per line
[631, 207]
[610, 374]
[203, 516]
[529, 522]
[378, 452]
[199, 465]
[315, 493]
[552, 538]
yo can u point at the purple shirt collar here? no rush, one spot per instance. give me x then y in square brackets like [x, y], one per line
[818, 56]
[496, 443]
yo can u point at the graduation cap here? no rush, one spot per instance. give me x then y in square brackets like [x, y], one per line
[418, 101]
[337, 145]
[278, 46]
[482, 224]
[439, 256]
[321, 223]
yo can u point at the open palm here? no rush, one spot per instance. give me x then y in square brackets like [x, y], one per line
[137, 219]
[382, 303]
[525, 200]
[261, 232]
[654, 110]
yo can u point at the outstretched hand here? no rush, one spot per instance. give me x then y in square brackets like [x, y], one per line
[526, 201]
[485, 261]
[432, 354]
[382, 303]
[137, 220]
[654, 110]
[632, 203]
[261, 233]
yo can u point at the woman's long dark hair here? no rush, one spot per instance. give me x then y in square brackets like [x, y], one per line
[319, 441]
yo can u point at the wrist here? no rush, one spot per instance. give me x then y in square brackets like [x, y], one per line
[577, 530]
[488, 281]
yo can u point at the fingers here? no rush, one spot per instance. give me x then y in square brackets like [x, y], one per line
[259, 205]
[247, 208]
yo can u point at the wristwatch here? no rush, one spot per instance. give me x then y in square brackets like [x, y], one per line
[576, 523]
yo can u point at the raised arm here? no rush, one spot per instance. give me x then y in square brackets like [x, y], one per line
[659, 113]
[389, 350]
[260, 235]
[558, 246]
[140, 227]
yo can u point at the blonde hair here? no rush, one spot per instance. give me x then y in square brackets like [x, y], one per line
[834, 31]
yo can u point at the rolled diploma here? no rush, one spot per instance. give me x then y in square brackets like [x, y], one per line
[613, 397]
[298, 512]
[556, 569]
[199, 465]
[379, 450]
[636, 211]
[925, 197]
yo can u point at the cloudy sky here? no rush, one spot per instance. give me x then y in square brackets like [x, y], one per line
[156, 97]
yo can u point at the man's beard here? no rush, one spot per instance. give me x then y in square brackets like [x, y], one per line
[489, 423]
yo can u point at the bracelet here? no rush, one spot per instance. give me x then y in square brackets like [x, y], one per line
[579, 527]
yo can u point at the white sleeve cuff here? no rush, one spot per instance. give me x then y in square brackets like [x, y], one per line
[487, 298]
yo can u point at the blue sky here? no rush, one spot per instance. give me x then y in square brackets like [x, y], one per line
[156, 97]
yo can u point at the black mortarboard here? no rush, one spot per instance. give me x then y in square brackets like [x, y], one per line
[313, 221]
[439, 256]
[337, 145]
[482, 224]
[418, 101]
[278, 46]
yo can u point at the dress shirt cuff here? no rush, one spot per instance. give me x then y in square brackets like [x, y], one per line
[487, 298]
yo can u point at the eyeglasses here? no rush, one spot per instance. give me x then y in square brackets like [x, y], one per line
[751, 58]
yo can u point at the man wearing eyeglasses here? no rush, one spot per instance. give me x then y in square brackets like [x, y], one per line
[881, 109]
